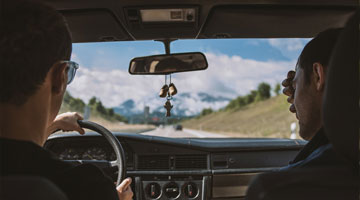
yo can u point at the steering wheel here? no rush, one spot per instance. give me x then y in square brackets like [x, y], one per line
[115, 144]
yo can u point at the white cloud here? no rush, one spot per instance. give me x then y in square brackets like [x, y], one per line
[227, 76]
[112, 86]
[232, 76]
[156, 52]
[194, 105]
[75, 58]
[289, 47]
[287, 44]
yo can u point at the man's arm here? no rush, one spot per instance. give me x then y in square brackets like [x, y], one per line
[124, 190]
[66, 122]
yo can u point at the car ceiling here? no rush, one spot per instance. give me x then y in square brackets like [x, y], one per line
[114, 20]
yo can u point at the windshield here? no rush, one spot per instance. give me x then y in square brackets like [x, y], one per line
[239, 95]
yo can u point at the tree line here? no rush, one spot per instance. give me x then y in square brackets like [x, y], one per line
[262, 92]
[96, 107]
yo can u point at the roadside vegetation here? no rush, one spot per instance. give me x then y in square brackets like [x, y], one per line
[97, 109]
[101, 115]
[256, 114]
[262, 93]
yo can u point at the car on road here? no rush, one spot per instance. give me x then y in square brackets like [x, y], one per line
[178, 127]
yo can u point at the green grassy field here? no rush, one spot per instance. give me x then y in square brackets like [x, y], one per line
[269, 118]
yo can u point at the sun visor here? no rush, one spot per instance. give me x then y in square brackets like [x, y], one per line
[94, 26]
[273, 22]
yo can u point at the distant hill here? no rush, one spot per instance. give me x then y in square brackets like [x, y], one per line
[127, 108]
[98, 111]
[268, 118]
[185, 105]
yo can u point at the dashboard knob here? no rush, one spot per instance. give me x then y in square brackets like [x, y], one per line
[171, 190]
[153, 190]
[190, 190]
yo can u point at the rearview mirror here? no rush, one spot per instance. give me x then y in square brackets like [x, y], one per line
[168, 63]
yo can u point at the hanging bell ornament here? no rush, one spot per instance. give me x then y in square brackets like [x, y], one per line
[164, 91]
[172, 89]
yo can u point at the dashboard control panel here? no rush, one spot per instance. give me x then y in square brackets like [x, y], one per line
[171, 187]
[177, 169]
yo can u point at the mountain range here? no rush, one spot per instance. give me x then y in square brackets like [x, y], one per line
[184, 104]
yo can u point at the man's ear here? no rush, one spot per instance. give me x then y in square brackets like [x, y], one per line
[58, 78]
[319, 76]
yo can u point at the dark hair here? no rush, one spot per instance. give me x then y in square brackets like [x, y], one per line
[319, 50]
[33, 37]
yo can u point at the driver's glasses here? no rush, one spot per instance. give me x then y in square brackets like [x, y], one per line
[72, 67]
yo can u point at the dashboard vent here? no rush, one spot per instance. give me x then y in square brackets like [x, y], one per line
[153, 162]
[191, 162]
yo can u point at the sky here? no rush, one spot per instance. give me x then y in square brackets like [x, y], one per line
[236, 66]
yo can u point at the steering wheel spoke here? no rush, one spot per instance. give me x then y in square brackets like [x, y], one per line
[114, 163]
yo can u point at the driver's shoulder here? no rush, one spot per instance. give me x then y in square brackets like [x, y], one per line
[86, 181]
[24, 157]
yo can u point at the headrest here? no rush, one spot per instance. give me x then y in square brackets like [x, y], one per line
[341, 98]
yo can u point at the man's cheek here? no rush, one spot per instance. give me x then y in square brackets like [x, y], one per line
[297, 111]
[298, 107]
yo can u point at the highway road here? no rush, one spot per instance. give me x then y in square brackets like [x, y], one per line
[169, 131]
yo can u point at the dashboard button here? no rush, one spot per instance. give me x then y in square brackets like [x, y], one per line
[171, 190]
[153, 190]
[190, 190]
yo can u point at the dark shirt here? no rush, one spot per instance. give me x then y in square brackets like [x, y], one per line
[317, 152]
[317, 166]
[77, 182]
[317, 141]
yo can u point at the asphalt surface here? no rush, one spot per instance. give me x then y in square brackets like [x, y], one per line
[169, 131]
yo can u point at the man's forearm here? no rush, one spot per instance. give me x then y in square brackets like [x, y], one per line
[55, 126]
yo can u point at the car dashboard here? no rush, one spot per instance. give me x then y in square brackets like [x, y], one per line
[180, 168]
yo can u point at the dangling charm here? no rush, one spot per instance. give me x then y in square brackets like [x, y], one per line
[168, 108]
[164, 91]
[168, 91]
[172, 89]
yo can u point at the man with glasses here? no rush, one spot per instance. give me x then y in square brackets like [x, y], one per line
[35, 48]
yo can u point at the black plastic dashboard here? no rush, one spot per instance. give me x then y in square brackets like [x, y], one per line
[181, 168]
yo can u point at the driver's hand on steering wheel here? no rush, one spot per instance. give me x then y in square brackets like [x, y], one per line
[124, 190]
[66, 122]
